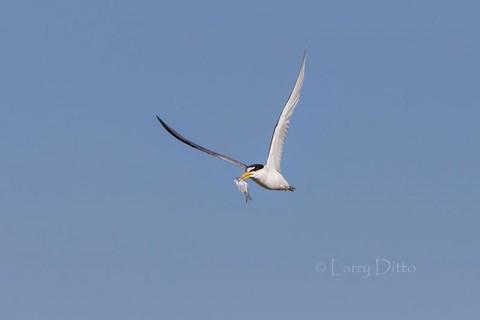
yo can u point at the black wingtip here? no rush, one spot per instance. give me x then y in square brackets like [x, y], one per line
[166, 127]
[162, 123]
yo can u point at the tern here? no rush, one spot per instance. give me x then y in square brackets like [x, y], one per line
[266, 175]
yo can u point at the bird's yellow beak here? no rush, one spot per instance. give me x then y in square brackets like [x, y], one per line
[246, 175]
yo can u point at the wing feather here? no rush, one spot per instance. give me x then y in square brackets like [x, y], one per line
[283, 123]
[198, 147]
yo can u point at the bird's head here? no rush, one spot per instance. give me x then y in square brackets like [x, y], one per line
[251, 171]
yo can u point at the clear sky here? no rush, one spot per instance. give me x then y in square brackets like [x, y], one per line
[103, 215]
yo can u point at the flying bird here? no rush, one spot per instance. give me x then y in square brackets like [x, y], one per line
[266, 175]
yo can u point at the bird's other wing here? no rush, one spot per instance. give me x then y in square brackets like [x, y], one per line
[281, 128]
[196, 146]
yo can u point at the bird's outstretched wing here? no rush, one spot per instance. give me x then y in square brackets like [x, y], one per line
[196, 146]
[281, 128]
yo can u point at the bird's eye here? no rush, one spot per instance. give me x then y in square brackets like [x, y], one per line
[255, 167]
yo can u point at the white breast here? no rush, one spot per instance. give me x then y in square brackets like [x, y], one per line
[270, 179]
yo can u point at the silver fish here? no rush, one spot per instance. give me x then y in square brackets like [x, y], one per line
[243, 186]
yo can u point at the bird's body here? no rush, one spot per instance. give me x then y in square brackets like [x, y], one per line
[271, 180]
[269, 175]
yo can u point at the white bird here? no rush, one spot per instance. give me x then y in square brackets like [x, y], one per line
[269, 175]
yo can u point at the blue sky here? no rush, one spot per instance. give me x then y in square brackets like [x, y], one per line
[103, 215]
